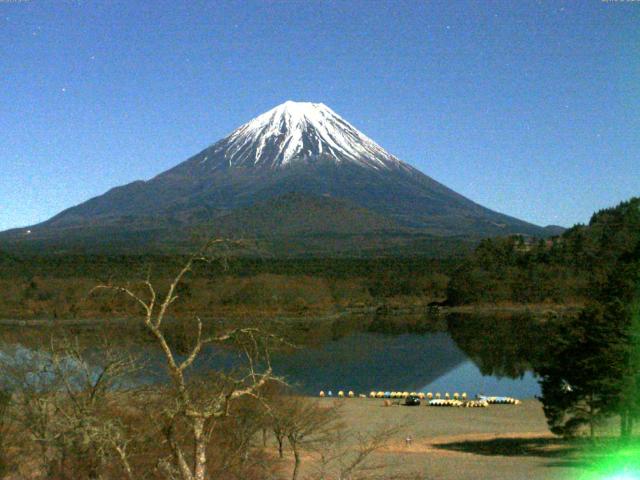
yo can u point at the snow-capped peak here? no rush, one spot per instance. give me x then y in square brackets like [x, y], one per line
[296, 131]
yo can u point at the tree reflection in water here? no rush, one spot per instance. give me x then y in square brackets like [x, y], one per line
[502, 345]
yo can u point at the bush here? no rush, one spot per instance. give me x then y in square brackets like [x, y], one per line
[5, 401]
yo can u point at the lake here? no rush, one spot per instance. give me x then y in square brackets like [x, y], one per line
[487, 355]
[362, 362]
[459, 353]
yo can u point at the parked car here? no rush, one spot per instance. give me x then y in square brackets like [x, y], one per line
[412, 401]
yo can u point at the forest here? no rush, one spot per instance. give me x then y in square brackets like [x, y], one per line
[563, 269]
[514, 270]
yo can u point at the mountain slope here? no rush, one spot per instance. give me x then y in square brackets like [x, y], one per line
[296, 147]
[298, 214]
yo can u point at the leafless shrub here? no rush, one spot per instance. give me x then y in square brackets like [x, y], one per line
[61, 401]
[301, 422]
[347, 454]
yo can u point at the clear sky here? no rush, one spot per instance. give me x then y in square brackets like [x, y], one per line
[529, 108]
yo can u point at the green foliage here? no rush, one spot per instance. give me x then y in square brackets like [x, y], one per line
[572, 267]
[506, 346]
[594, 368]
[580, 381]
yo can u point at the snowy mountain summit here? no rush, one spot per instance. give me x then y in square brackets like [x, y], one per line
[301, 132]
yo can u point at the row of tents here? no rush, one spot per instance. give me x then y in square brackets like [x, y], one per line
[389, 394]
[437, 400]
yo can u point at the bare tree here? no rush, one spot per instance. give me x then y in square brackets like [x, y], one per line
[187, 406]
[5, 401]
[316, 428]
[60, 399]
[29, 374]
[301, 422]
[346, 455]
[88, 391]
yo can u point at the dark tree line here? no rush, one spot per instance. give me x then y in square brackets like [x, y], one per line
[567, 268]
[593, 368]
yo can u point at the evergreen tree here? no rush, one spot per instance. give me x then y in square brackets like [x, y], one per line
[594, 363]
[628, 406]
[580, 382]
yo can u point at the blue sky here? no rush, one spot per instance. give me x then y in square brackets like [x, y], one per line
[529, 108]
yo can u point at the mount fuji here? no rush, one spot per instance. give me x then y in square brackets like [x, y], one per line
[298, 171]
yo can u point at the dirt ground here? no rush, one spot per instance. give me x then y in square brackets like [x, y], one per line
[498, 442]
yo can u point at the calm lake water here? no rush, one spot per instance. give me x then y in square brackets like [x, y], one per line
[363, 362]
[476, 355]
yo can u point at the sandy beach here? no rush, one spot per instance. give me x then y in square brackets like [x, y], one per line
[498, 442]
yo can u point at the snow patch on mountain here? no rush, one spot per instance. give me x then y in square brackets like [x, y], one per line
[296, 131]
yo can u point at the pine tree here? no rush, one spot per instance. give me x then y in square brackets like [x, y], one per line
[580, 382]
[593, 370]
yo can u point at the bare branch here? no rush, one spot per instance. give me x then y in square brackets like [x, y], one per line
[126, 291]
[196, 348]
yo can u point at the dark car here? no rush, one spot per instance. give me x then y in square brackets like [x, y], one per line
[412, 401]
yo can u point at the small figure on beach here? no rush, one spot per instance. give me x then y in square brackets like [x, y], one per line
[408, 440]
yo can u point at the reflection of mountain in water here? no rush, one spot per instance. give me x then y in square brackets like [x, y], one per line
[368, 361]
[468, 378]
[358, 361]
[465, 353]
[476, 354]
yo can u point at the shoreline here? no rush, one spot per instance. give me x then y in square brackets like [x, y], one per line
[383, 309]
